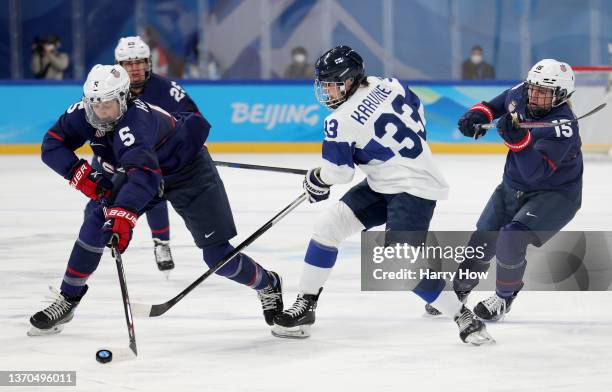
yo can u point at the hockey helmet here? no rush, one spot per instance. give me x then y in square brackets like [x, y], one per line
[550, 83]
[132, 49]
[105, 85]
[333, 69]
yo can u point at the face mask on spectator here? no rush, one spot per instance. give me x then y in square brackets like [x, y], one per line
[299, 58]
[476, 58]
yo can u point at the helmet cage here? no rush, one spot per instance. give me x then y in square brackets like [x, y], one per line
[556, 95]
[104, 125]
[323, 93]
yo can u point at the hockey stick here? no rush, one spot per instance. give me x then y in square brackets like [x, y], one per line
[158, 310]
[115, 354]
[126, 298]
[478, 127]
[259, 167]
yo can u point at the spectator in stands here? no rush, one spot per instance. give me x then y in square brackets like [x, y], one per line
[47, 61]
[299, 67]
[475, 68]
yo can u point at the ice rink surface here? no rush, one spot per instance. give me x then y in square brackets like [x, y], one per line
[216, 338]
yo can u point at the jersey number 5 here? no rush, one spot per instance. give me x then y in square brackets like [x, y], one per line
[126, 137]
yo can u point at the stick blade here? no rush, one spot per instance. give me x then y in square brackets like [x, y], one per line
[120, 354]
[141, 310]
[158, 310]
[598, 108]
[145, 310]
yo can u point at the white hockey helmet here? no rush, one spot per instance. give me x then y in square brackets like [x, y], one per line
[554, 75]
[105, 83]
[134, 48]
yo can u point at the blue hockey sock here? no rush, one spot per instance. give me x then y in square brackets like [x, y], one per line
[511, 251]
[158, 221]
[320, 255]
[429, 289]
[319, 260]
[83, 261]
[241, 269]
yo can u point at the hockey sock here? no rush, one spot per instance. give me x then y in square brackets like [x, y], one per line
[158, 221]
[241, 268]
[511, 250]
[84, 260]
[479, 239]
[319, 261]
[509, 277]
[429, 289]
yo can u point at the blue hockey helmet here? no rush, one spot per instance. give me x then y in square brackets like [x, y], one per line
[333, 70]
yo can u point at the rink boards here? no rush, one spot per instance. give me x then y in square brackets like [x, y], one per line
[277, 116]
[248, 116]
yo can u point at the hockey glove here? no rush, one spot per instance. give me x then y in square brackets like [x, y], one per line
[120, 222]
[315, 188]
[478, 114]
[515, 138]
[92, 183]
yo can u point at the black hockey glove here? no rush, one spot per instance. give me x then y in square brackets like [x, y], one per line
[478, 114]
[515, 138]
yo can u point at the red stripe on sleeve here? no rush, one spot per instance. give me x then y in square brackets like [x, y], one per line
[55, 135]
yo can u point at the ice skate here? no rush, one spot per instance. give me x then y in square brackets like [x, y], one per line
[271, 297]
[163, 256]
[296, 321]
[52, 319]
[472, 330]
[494, 308]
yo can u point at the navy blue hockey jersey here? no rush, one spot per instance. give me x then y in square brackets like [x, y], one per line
[553, 161]
[167, 94]
[147, 143]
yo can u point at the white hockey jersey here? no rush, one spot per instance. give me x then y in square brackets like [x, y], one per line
[381, 128]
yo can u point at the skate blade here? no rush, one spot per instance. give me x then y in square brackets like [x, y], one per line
[300, 332]
[494, 319]
[44, 332]
[431, 312]
[166, 274]
[479, 338]
[426, 314]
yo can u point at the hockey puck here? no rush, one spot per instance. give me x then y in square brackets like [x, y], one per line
[104, 356]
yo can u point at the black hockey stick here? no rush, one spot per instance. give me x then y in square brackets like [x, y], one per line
[126, 298]
[158, 310]
[259, 167]
[114, 354]
[478, 127]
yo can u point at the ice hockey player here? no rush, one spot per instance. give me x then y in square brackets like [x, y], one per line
[378, 124]
[134, 55]
[541, 189]
[144, 141]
